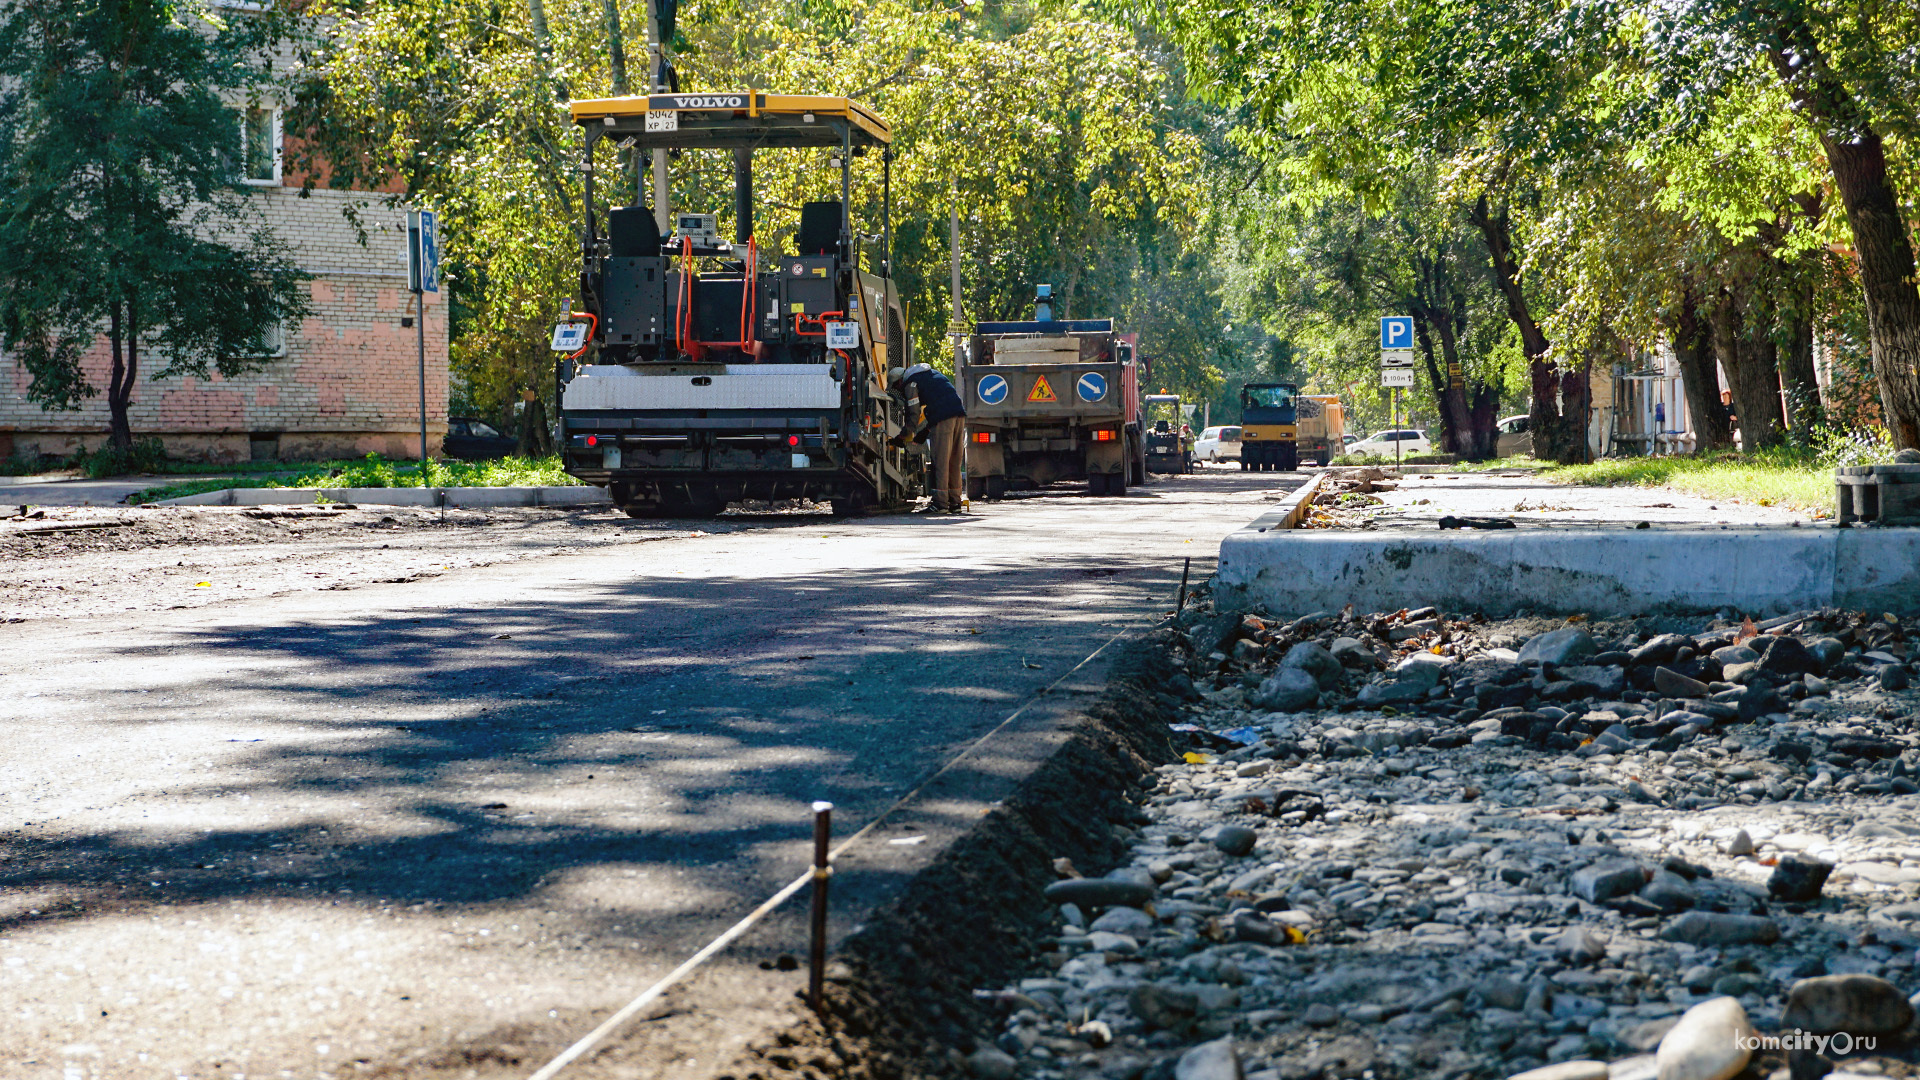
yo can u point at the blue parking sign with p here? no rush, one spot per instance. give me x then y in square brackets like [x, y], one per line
[1396, 331]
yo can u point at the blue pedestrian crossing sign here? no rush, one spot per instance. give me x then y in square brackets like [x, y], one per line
[1091, 387]
[992, 389]
[1396, 331]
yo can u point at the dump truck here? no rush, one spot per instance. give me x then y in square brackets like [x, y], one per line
[1169, 437]
[1321, 423]
[1269, 419]
[695, 370]
[1050, 400]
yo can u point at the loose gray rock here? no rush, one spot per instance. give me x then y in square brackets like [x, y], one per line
[1214, 1060]
[1123, 920]
[1895, 677]
[1316, 661]
[1558, 647]
[1320, 1015]
[1581, 946]
[1160, 1007]
[1288, 690]
[1709, 1043]
[1607, 879]
[1798, 879]
[1674, 684]
[1857, 1004]
[1099, 893]
[1235, 840]
[1351, 653]
[1827, 651]
[1719, 928]
[1741, 844]
[1606, 681]
[1393, 693]
[990, 1063]
[1738, 654]
[1660, 650]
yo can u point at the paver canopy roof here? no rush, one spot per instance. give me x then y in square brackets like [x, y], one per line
[736, 119]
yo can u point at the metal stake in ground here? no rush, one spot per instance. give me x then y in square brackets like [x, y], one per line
[1181, 604]
[817, 960]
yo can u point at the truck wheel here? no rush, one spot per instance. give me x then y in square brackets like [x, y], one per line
[1117, 484]
[1097, 484]
[1289, 459]
[996, 487]
[976, 488]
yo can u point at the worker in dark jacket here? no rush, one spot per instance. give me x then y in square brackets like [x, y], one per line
[935, 416]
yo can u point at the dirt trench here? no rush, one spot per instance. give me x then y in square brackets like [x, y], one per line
[900, 991]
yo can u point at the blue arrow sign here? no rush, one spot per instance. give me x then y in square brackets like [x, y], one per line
[992, 389]
[1091, 387]
[1396, 331]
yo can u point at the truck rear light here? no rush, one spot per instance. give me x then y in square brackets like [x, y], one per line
[983, 436]
[593, 440]
[1103, 435]
[793, 440]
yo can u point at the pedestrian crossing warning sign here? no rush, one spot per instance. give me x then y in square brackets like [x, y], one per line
[1042, 390]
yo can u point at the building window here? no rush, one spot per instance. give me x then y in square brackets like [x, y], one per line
[260, 145]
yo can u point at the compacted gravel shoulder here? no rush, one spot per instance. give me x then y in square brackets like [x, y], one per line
[1415, 844]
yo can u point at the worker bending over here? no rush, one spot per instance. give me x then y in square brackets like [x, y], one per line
[936, 416]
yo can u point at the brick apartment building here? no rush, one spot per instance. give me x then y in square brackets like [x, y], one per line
[343, 382]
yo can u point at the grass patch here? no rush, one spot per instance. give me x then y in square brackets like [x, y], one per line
[374, 471]
[1786, 478]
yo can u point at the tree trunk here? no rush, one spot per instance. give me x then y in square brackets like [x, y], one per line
[1858, 161]
[532, 440]
[1693, 345]
[1797, 376]
[1552, 438]
[1485, 417]
[1747, 354]
[124, 336]
[1455, 426]
[1576, 413]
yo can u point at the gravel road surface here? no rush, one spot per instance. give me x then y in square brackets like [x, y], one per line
[386, 796]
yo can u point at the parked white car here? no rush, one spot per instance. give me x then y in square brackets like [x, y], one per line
[1217, 444]
[1382, 443]
[1515, 437]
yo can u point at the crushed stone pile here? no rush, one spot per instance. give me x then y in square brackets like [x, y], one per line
[1418, 844]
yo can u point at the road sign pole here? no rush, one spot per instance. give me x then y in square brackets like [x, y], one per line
[1395, 393]
[420, 327]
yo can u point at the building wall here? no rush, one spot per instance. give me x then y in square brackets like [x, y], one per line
[349, 382]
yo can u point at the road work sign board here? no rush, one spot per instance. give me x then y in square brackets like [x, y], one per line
[1042, 391]
[1396, 331]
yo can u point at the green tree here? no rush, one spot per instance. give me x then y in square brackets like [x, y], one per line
[121, 155]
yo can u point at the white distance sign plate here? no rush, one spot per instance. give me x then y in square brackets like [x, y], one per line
[663, 120]
[1396, 377]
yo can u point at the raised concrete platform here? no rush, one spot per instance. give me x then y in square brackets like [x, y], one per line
[1601, 571]
[454, 496]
